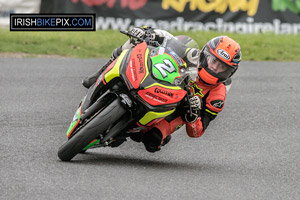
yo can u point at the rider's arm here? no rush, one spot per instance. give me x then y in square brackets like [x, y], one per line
[214, 103]
[140, 32]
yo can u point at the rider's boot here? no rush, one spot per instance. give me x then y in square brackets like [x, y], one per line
[152, 140]
[137, 137]
[117, 143]
[89, 81]
[166, 140]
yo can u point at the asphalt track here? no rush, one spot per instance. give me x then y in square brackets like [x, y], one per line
[251, 150]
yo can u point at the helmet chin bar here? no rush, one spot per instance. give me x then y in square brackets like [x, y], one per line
[207, 77]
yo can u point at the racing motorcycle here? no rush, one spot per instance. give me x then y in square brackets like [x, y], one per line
[142, 86]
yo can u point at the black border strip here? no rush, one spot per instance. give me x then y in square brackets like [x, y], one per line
[69, 15]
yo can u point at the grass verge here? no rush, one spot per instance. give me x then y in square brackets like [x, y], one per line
[100, 44]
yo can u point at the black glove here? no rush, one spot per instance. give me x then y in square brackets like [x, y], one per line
[193, 113]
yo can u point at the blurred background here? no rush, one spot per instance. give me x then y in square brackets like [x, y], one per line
[273, 25]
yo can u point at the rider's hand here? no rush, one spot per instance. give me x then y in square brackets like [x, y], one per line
[138, 33]
[193, 113]
[195, 103]
[193, 56]
[146, 34]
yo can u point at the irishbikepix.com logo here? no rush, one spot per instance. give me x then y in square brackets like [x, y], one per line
[52, 22]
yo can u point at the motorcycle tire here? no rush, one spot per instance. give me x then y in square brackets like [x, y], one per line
[91, 131]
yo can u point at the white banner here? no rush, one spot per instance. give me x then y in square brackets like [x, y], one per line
[248, 27]
[17, 6]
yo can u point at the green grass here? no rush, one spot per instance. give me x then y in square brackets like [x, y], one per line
[100, 44]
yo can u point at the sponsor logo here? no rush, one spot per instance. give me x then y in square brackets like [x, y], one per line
[196, 89]
[141, 62]
[251, 6]
[133, 70]
[175, 56]
[131, 4]
[161, 91]
[217, 103]
[223, 54]
[155, 97]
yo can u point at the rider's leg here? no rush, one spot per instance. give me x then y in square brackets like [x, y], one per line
[89, 81]
[160, 134]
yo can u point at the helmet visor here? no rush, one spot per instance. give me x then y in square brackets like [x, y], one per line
[218, 68]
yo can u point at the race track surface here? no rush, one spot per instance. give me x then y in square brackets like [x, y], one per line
[251, 150]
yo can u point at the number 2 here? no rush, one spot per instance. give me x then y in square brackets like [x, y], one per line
[166, 66]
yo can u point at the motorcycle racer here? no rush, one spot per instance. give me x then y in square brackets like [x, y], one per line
[216, 63]
[189, 51]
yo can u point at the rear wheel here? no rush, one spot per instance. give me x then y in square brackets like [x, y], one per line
[91, 131]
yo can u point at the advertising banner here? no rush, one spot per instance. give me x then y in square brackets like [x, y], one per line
[239, 16]
[17, 6]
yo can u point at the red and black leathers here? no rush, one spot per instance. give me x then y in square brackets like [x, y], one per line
[213, 98]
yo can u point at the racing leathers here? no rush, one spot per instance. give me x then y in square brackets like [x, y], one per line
[212, 97]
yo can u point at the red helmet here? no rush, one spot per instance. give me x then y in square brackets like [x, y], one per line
[219, 59]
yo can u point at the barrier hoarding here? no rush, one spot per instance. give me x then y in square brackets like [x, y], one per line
[17, 6]
[240, 16]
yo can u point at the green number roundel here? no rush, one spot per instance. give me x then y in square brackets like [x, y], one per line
[164, 68]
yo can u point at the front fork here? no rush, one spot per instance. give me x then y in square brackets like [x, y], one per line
[114, 129]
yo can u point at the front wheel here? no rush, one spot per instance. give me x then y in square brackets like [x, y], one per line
[91, 131]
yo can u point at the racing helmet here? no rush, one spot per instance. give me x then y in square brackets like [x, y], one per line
[219, 60]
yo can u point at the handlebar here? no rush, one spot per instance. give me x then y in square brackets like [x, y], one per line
[146, 39]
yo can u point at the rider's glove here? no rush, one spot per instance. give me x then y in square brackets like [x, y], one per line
[195, 103]
[144, 33]
[193, 113]
[138, 33]
[192, 57]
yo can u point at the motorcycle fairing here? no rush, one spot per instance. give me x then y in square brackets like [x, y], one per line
[75, 122]
[113, 70]
[137, 69]
[136, 66]
[152, 117]
[157, 94]
[165, 67]
[101, 77]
